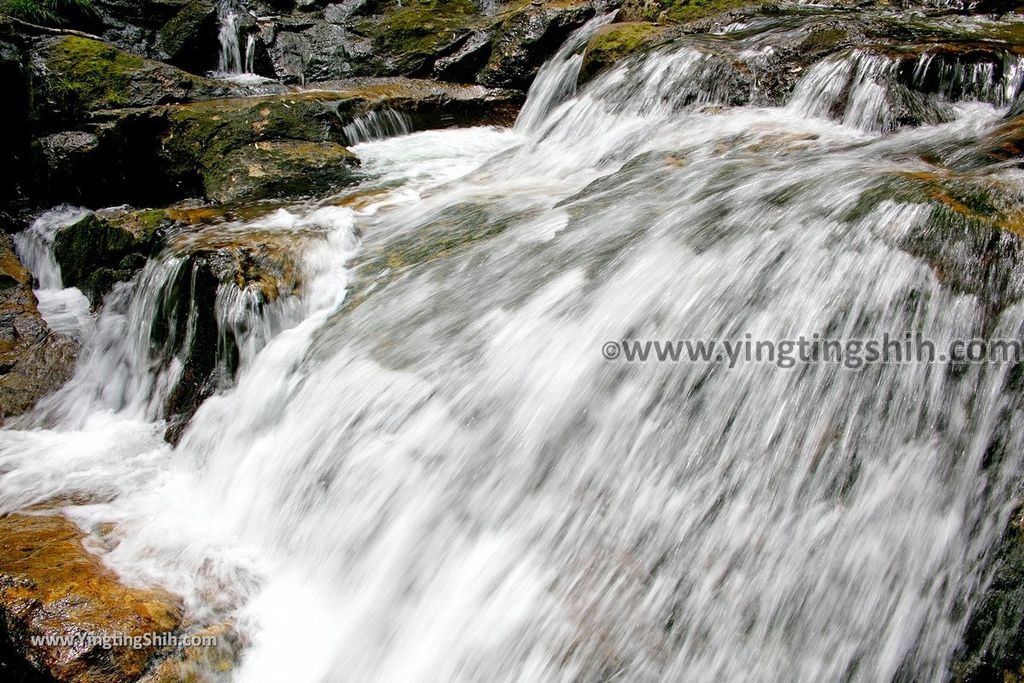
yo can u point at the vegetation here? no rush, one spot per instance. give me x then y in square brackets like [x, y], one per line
[89, 74]
[48, 12]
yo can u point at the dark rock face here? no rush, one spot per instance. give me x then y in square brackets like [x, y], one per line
[15, 115]
[51, 585]
[189, 39]
[524, 40]
[33, 360]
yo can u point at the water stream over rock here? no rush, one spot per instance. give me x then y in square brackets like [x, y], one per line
[420, 466]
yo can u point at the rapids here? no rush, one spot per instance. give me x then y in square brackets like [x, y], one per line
[425, 470]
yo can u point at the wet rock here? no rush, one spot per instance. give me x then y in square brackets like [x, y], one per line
[973, 237]
[51, 586]
[678, 10]
[253, 269]
[189, 39]
[283, 145]
[107, 247]
[281, 168]
[70, 166]
[309, 51]
[76, 77]
[200, 662]
[33, 360]
[992, 648]
[614, 43]
[255, 147]
[525, 40]
[408, 39]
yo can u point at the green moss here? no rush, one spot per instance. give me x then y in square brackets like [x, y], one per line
[420, 27]
[616, 42]
[680, 10]
[89, 74]
[825, 40]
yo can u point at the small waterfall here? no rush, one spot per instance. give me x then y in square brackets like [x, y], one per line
[65, 310]
[235, 59]
[556, 80]
[377, 125]
[870, 91]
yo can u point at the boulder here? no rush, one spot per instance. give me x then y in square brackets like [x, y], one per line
[615, 42]
[281, 168]
[107, 247]
[76, 77]
[525, 39]
[50, 585]
[34, 361]
[293, 145]
[189, 39]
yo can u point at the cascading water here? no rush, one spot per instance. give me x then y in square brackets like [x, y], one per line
[377, 125]
[65, 310]
[235, 59]
[429, 472]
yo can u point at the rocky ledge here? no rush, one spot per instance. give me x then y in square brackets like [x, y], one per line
[51, 586]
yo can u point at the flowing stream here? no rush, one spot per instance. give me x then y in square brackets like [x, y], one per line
[425, 470]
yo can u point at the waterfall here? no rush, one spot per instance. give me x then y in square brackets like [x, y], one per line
[234, 59]
[556, 80]
[65, 310]
[376, 125]
[425, 469]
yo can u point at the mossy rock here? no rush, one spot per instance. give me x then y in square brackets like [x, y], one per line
[108, 247]
[973, 238]
[77, 77]
[679, 11]
[614, 43]
[89, 74]
[281, 168]
[252, 146]
[412, 35]
[189, 39]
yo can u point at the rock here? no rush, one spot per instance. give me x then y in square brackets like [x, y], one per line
[69, 167]
[664, 11]
[15, 119]
[281, 168]
[33, 360]
[408, 39]
[614, 43]
[524, 41]
[283, 145]
[312, 51]
[51, 586]
[974, 236]
[254, 269]
[189, 39]
[226, 143]
[107, 247]
[992, 648]
[77, 77]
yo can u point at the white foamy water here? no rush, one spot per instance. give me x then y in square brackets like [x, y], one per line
[425, 470]
[65, 309]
